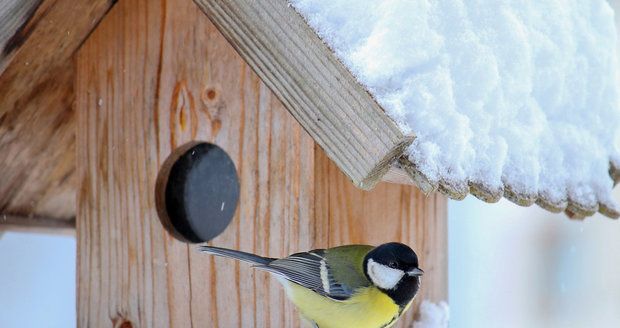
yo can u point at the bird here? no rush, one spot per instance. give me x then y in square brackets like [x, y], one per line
[346, 286]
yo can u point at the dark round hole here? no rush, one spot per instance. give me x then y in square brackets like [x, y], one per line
[197, 192]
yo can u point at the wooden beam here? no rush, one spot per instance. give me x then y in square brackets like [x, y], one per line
[37, 124]
[315, 87]
[14, 16]
[158, 74]
[403, 171]
[37, 138]
[45, 35]
[9, 222]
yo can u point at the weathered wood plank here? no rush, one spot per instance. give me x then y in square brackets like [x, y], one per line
[37, 141]
[9, 222]
[313, 85]
[14, 16]
[167, 77]
[396, 174]
[155, 75]
[37, 124]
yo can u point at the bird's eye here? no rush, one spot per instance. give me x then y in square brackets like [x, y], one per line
[392, 265]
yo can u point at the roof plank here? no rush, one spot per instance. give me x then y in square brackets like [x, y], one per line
[37, 124]
[36, 224]
[14, 18]
[314, 86]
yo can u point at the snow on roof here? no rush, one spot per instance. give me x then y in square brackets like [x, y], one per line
[518, 98]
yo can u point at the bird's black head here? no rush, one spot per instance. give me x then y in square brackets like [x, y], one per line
[393, 268]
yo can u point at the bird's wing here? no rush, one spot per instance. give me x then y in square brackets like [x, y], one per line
[313, 270]
[350, 261]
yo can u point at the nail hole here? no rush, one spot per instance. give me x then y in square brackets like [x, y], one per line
[211, 94]
[197, 192]
[121, 323]
[126, 324]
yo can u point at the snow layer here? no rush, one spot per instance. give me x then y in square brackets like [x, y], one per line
[433, 315]
[518, 93]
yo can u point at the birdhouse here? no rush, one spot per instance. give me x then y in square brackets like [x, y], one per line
[95, 98]
[149, 125]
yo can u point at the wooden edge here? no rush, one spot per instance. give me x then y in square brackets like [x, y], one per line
[405, 172]
[315, 87]
[486, 193]
[383, 166]
[14, 17]
[574, 216]
[519, 198]
[454, 190]
[422, 181]
[580, 209]
[614, 172]
[551, 206]
[610, 209]
[397, 175]
[43, 225]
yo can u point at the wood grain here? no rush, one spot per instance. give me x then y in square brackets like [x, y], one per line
[37, 122]
[404, 171]
[14, 15]
[314, 86]
[36, 224]
[158, 74]
[390, 212]
[37, 139]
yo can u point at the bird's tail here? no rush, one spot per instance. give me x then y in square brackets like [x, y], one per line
[237, 255]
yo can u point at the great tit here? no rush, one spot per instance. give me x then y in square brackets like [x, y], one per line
[353, 286]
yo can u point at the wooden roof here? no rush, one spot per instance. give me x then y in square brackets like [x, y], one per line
[336, 110]
[38, 40]
[37, 126]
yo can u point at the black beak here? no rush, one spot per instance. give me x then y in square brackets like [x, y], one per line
[415, 272]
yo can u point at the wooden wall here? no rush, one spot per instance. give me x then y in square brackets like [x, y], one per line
[156, 74]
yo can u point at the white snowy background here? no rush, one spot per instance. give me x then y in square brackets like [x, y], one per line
[37, 281]
[523, 267]
[509, 267]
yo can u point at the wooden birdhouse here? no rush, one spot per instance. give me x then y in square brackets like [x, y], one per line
[100, 98]
[96, 95]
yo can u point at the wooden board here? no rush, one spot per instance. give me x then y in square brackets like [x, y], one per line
[313, 84]
[14, 15]
[157, 74]
[390, 212]
[37, 137]
[154, 75]
[36, 224]
[37, 124]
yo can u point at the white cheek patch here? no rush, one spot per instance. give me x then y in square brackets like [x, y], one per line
[384, 276]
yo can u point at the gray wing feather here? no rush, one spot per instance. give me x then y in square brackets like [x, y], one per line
[305, 269]
[238, 255]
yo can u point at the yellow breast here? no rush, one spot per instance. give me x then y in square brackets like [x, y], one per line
[368, 308]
